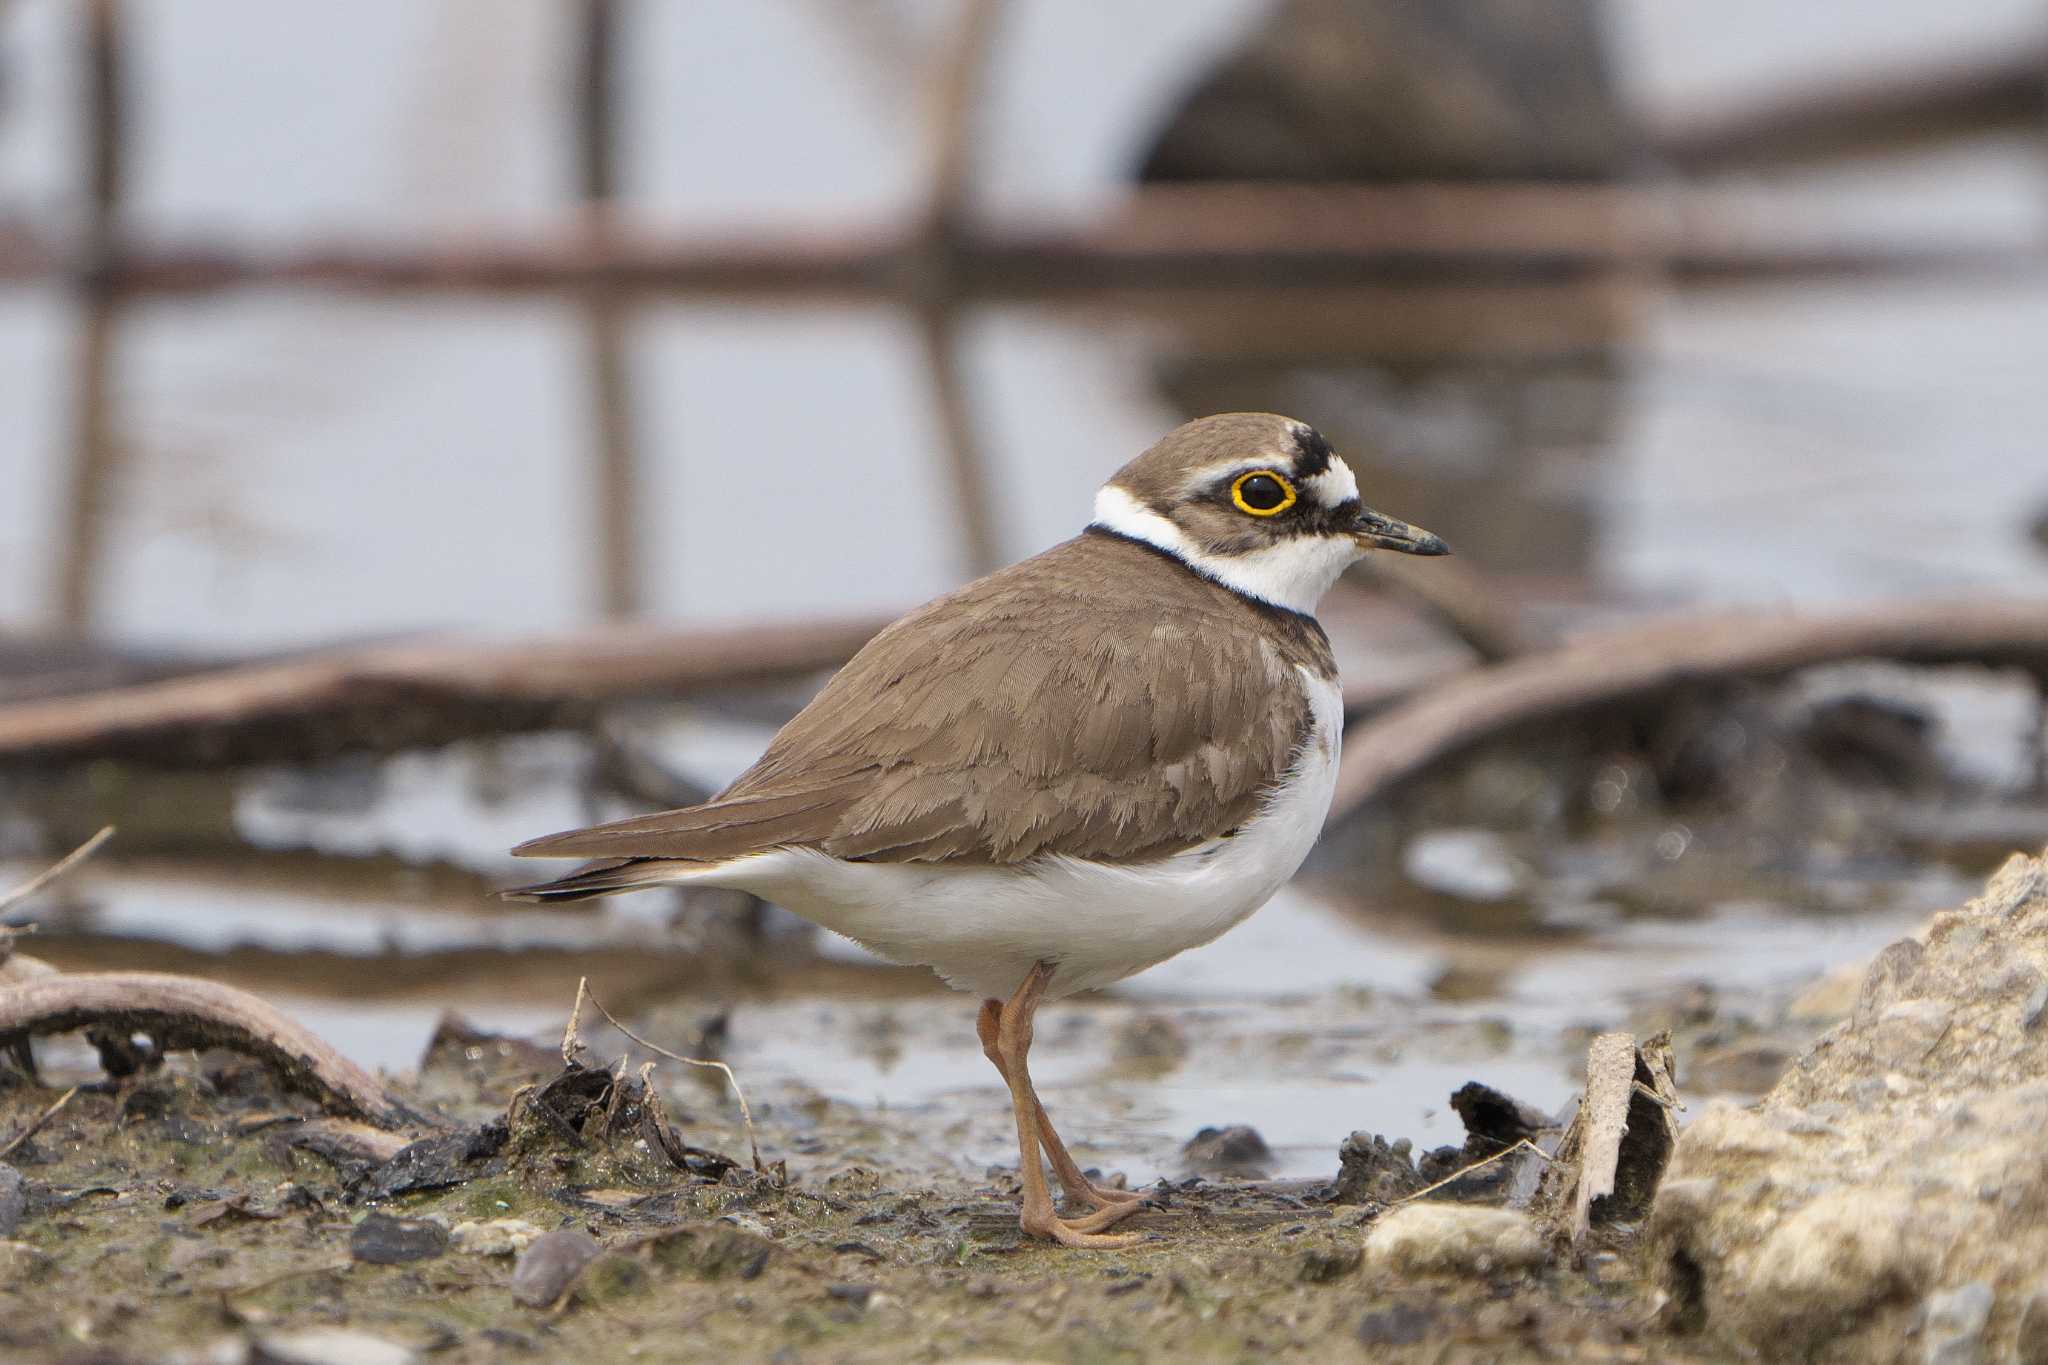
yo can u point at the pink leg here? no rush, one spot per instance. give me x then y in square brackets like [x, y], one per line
[1012, 1051]
[1077, 1185]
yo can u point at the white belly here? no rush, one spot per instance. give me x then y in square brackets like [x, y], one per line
[983, 928]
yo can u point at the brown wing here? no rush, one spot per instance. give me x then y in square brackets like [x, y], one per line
[1098, 701]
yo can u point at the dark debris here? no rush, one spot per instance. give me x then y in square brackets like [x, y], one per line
[381, 1239]
[437, 1162]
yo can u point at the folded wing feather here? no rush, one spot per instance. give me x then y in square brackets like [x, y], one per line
[1096, 702]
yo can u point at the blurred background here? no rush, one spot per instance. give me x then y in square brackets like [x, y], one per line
[505, 412]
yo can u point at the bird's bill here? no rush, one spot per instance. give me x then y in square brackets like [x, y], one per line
[1375, 531]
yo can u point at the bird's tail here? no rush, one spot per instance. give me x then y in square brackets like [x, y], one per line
[607, 877]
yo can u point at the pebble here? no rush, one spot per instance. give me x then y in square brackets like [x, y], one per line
[329, 1346]
[547, 1268]
[381, 1239]
[1235, 1150]
[497, 1237]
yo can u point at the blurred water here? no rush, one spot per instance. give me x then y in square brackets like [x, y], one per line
[298, 467]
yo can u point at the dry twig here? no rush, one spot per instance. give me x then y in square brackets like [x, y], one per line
[746, 1114]
[35, 1124]
[572, 1042]
[10, 899]
[1520, 1144]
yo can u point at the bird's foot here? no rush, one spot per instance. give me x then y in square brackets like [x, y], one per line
[1102, 1197]
[1084, 1232]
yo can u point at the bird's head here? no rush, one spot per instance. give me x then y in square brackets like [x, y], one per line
[1255, 501]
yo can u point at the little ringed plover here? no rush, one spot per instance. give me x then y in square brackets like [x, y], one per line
[1065, 772]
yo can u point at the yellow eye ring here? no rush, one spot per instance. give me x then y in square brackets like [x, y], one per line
[1237, 493]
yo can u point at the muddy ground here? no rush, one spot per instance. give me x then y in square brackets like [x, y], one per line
[1518, 906]
[168, 1214]
[194, 1208]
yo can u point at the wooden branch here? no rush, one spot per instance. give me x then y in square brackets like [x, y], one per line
[104, 93]
[953, 109]
[953, 106]
[1643, 664]
[1456, 596]
[391, 697]
[93, 473]
[1877, 112]
[616, 466]
[95, 446]
[186, 1012]
[595, 103]
[594, 117]
[45, 664]
[1193, 237]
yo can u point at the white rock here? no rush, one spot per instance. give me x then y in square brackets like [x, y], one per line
[496, 1237]
[1841, 1251]
[330, 1346]
[1956, 1318]
[1887, 1193]
[1453, 1239]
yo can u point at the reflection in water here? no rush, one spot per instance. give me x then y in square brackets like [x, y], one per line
[1495, 412]
[939, 333]
[1500, 456]
[96, 442]
[616, 493]
[1478, 411]
[95, 470]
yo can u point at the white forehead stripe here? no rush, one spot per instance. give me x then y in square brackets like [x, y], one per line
[1335, 486]
[1293, 573]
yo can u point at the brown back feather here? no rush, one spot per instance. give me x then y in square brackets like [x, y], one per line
[1098, 701]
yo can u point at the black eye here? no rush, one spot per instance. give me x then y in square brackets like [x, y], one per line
[1262, 493]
